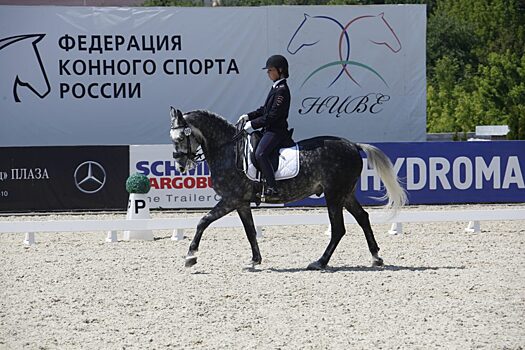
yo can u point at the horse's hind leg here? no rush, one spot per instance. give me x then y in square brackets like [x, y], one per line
[245, 213]
[335, 213]
[361, 216]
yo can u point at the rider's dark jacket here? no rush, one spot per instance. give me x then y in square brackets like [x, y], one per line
[273, 115]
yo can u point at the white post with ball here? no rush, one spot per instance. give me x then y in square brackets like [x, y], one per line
[138, 186]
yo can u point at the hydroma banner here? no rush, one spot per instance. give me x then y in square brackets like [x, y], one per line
[107, 76]
[449, 172]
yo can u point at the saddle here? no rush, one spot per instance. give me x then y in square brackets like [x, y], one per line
[284, 159]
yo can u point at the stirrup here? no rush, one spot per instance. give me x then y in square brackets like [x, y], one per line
[270, 192]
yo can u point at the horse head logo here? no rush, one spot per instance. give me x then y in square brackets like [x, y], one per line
[377, 31]
[24, 72]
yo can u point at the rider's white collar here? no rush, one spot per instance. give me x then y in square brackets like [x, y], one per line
[277, 82]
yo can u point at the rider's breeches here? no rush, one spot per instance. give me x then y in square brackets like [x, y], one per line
[269, 142]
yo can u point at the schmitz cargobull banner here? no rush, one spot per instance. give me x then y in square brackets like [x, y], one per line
[170, 188]
[107, 76]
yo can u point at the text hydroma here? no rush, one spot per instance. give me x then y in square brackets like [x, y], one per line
[463, 173]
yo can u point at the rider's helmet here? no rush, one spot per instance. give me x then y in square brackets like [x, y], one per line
[279, 62]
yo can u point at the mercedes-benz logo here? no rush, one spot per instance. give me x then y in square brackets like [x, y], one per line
[90, 177]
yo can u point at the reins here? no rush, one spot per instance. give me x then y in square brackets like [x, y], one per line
[240, 140]
[199, 156]
[240, 130]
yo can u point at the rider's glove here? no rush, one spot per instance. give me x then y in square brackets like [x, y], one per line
[248, 128]
[243, 117]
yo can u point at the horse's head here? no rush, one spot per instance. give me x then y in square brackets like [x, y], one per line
[303, 36]
[385, 35]
[186, 141]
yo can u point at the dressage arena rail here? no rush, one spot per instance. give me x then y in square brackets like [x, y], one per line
[179, 224]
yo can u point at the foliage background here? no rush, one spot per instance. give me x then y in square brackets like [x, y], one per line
[475, 59]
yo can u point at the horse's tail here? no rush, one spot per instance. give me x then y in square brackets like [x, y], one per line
[396, 195]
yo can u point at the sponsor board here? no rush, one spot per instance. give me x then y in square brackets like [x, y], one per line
[93, 178]
[170, 188]
[63, 178]
[448, 172]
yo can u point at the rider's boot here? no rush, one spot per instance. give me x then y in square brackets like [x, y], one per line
[271, 191]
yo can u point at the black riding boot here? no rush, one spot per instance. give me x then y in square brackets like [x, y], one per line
[269, 178]
[271, 191]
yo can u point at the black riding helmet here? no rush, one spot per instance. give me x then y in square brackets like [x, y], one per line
[279, 62]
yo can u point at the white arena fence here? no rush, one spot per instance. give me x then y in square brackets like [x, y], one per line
[179, 224]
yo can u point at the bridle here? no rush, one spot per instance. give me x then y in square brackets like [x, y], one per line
[195, 156]
[198, 155]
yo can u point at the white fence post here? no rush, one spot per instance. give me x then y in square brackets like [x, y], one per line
[473, 226]
[111, 237]
[396, 228]
[178, 234]
[30, 238]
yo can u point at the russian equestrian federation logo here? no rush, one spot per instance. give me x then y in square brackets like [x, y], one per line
[305, 36]
[90, 177]
[25, 74]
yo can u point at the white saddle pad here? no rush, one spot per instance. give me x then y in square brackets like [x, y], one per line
[288, 164]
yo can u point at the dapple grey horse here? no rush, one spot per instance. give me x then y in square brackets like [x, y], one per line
[329, 165]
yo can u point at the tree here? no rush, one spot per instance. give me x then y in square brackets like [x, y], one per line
[497, 24]
[475, 64]
[501, 91]
[447, 37]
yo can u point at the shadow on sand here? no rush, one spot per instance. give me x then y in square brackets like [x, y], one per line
[394, 268]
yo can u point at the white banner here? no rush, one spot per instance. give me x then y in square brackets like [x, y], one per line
[169, 188]
[107, 76]
[358, 71]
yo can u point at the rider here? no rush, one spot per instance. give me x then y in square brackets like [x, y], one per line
[272, 118]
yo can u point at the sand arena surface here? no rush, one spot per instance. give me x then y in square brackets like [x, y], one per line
[441, 288]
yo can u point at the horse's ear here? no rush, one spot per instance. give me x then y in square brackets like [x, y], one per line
[176, 115]
[306, 16]
[180, 118]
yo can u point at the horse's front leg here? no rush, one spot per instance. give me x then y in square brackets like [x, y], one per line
[245, 213]
[222, 208]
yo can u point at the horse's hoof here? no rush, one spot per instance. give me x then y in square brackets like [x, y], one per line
[377, 262]
[251, 265]
[190, 261]
[316, 266]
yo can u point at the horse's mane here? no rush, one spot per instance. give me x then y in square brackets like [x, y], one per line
[201, 113]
